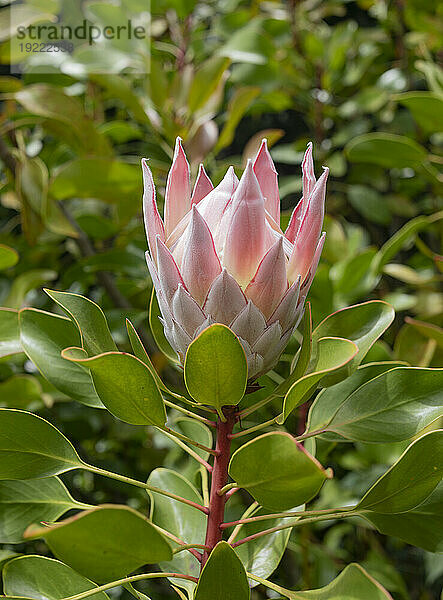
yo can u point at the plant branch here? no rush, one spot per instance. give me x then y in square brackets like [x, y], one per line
[145, 486]
[305, 513]
[239, 434]
[188, 440]
[219, 477]
[187, 449]
[308, 434]
[249, 511]
[298, 523]
[131, 579]
[182, 544]
[187, 412]
[248, 411]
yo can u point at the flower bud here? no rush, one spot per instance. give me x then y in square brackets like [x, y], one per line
[221, 257]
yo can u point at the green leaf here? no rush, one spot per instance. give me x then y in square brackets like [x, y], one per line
[428, 330]
[197, 431]
[206, 81]
[112, 181]
[24, 283]
[410, 480]
[90, 320]
[332, 355]
[237, 106]
[353, 583]
[157, 329]
[140, 352]
[31, 448]
[363, 324]
[400, 239]
[183, 521]
[387, 150]
[263, 555]
[302, 358]
[394, 406]
[8, 257]
[21, 391]
[216, 370]
[105, 543]
[288, 477]
[422, 526]
[23, 503]
[50, 102]
[223, 576]
[330, 399]
[426, 108]
[9, 333]
[125, 385]
[370, 204]
[6, 556]
[43, 337]
[42, 578]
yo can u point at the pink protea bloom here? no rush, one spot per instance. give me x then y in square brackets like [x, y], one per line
[221, 257]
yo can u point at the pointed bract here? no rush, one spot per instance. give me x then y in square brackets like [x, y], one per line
[178, 189]
[153, 222]
[245, 236]
[267, 177]
[225, 299]
[202, 187]
[267, 287]
[200, 264]
[309, 232]
[168, 272]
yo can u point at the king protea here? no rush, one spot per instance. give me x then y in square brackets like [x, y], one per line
[219, 255]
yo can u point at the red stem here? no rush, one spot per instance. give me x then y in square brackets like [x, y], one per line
[219, 478]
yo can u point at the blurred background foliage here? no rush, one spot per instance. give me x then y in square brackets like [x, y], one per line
[361, 79]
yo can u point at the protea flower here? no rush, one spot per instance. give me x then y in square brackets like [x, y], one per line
[221, 257]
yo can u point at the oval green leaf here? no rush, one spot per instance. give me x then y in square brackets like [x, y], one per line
[42, 578]
[332, 354]
[363, 324]
[422, 526]
[223, 576]
[23, 503]
[216, 370]
[330, 399]
[410, 480]
[288, 477]
[90, 320]
[105, 543]
[387, 150]
[125, 385]
[43, 337]
[31, 448]
[8, 257]
[392, 407]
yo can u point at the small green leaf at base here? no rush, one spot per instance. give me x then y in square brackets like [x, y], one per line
[216, 370]
[288, 477]
[223, 576]
[106, 543]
